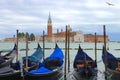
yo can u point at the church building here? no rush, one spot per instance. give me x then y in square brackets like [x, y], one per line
[75, 36]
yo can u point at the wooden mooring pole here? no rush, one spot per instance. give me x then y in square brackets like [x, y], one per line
[105, 53]
[0, 53]
[65, 64]
[43, 45]
[17, 45]
[26, 52]
[68, 34]
[95, 49]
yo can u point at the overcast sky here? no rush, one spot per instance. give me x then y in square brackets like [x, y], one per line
[88, 16]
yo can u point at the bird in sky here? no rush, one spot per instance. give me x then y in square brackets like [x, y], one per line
[110, 4]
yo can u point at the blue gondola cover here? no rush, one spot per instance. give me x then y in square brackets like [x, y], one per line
[81, 55]
[57, 55]
[36, 56]
[112, 62]
[40, 70]
[110, 57]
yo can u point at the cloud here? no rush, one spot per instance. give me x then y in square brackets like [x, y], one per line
[9, 14]
[32, 15]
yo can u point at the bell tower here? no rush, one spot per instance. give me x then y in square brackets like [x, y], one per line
[49, 26]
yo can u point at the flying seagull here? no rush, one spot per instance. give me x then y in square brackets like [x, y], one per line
[110, 4]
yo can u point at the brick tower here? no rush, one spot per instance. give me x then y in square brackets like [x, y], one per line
[49, 26]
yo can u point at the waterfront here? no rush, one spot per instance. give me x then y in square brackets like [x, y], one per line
[88, 48]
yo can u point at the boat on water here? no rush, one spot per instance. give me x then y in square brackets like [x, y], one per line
[6, 59]
[113, 65]
[14, 71]
[50, 68]
[85, 68]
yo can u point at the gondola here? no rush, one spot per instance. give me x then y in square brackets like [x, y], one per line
[85, 68]
[6, 59]
[50, 68]
[113, 65]
[14, 71]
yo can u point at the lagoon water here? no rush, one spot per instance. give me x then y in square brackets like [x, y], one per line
[114, 48]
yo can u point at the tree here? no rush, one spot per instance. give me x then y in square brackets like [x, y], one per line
[27, 35]
[32, 37]
[21, 34]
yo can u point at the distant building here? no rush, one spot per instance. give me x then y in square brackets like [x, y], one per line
[10, 39]
[14, 39]
[91, 38]
[49, 27]
[75, 36]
